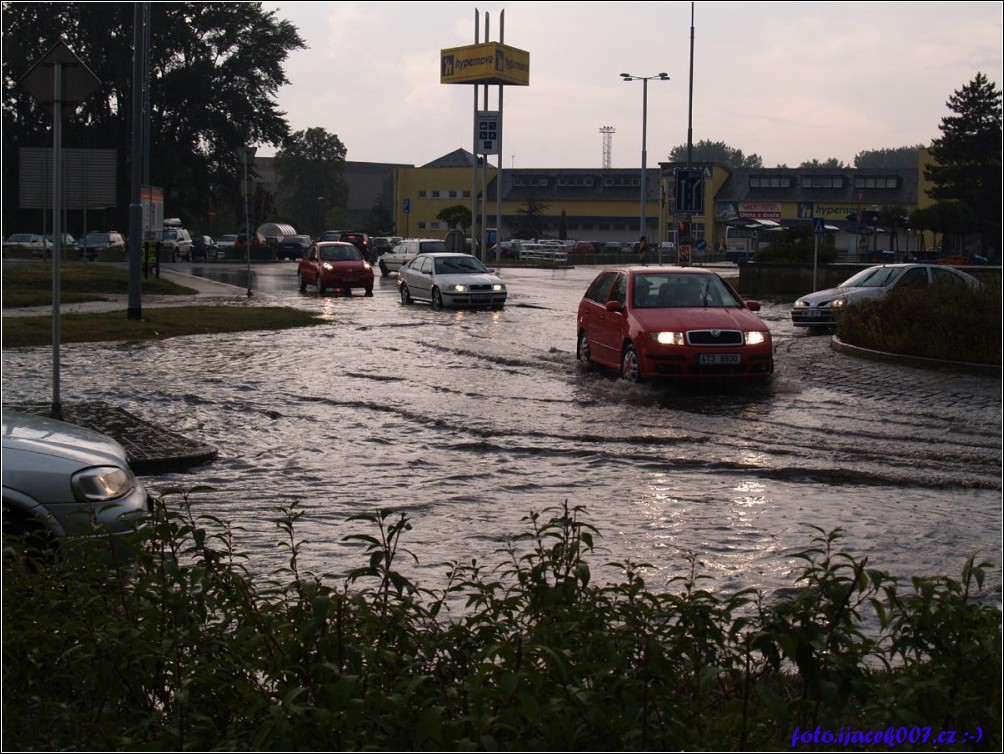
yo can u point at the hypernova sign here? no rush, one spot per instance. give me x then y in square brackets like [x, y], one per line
[489, 63]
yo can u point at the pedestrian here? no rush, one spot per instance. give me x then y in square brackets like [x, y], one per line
[642, 251]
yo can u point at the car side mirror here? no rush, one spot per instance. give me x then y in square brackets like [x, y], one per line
[614, 306]
[753, 306]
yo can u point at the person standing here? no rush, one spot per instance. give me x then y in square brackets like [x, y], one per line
[642, 251]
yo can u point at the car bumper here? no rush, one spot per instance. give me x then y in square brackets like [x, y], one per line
[813, 318]
[474, 299]
[687, 364]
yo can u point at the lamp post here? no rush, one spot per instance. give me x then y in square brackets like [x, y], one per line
[247, 153]
[644, 136]
[320, 217]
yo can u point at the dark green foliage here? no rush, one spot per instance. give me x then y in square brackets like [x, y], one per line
[900, 157]
[943, 322]
[311, 166]
[715, 151]
[969, 155]
[185, 648]
[797, 244]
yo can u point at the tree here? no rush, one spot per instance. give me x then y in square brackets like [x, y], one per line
[900, 157]
[212, 90]
[310, 167]
[968, 156]
[716, 151]
[831, 163]
[531, 224]
[456, 216]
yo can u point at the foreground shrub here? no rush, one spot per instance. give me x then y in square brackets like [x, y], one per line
[184, 648]
[941, 322]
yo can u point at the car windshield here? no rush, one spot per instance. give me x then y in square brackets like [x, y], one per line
[873, 277]
[339, 253]
[453, 265]
[667, 290]
[97, 238]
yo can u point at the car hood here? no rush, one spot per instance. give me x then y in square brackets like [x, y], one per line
[820, 298]
[44, 437]
[712, 318]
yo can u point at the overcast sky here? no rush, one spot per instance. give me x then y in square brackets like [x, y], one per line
[790, 81]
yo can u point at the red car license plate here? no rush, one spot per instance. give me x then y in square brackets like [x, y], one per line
[350, 280]
[719, 358]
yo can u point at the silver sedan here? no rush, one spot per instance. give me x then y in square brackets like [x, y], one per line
[449, 279]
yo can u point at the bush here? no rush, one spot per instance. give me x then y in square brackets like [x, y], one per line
[184, 648]
[797, 245]
[942, 322]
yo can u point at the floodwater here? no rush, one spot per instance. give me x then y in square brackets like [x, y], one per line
[470, 420]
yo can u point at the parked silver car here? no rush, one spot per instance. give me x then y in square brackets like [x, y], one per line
[63, 481]
[819, 309]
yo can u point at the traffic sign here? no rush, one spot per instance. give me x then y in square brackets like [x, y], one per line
[690, 191]
[819, 226]
[407, 206]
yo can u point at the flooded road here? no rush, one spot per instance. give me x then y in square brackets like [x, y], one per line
[470, 420]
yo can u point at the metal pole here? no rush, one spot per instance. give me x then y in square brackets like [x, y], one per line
[644, 151]
[135, 310]
[690, 105]
[247, 219]
[57, 147]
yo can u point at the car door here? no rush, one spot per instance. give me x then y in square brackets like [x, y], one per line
[420, 277]
[599, 324]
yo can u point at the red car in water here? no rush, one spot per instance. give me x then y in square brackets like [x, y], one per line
[334, 265]
[662, 322]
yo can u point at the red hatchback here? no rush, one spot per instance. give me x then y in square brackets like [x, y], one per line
[335, 265]
[671, 322]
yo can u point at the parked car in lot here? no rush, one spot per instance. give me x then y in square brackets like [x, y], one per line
[335, 265]
[450, 279]
[661, 322]
[91, 245]
[380, 245]
[175, 243]
[293, 247]
[62, 481]
[408, 249]
[225, 242]
[820, 309]
[203, 247]
[33, 242]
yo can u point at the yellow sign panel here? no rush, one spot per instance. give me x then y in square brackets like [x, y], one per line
[489, 63]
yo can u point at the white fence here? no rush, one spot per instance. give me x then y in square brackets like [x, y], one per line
[552, 252]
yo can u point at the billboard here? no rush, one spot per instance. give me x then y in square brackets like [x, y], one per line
[488, 63]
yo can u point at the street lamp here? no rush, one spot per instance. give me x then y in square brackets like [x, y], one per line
[644, 135]
[320, 217]
[247, 154]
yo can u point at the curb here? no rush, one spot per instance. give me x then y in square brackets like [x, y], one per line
[983, 370]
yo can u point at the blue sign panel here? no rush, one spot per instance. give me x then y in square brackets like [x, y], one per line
[690, 191]
[407, 206]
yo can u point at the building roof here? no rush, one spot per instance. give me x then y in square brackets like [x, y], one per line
[458, 158]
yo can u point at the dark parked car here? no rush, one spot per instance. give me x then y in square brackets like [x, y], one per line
[203, 247]
[91, 245]
[292, 247]
[380, 245]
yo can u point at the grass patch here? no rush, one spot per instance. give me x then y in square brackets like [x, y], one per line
[30, 284]
[155, 324]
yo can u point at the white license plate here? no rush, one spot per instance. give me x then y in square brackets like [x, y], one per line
[812, 313]
[350, 280]
[719, 358]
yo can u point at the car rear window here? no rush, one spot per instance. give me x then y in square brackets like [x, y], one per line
[425, 246]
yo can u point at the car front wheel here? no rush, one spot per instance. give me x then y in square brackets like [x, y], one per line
[630, 367]
[303, 283]
[583, 350]
[383, 269]
[405, 294]
[437, 299]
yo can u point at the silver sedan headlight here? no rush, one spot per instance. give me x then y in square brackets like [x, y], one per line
[99, 484]
[457, 288]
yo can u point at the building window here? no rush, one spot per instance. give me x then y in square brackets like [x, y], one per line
[454, 194]
[423, 194]
[873, 182]
[467, 195]
[421, 225]
[435, 194]
[770, 181]
[822, 181]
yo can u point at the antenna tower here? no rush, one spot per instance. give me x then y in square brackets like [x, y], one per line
[608, 132]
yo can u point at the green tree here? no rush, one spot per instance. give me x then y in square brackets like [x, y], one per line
[531, 223]
[310, 167]
[900, 157]
[716, 151]
[968, 156]
[214, 72]
[456, 216]
[831, 163]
